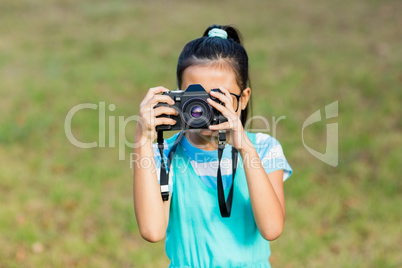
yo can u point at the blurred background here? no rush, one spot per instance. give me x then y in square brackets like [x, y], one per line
[63, 206]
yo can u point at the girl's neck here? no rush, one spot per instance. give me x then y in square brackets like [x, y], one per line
[207, 143]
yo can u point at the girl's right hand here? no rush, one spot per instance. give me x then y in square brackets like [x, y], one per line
[148, 119]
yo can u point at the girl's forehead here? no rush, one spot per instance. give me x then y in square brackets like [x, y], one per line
[210, 76]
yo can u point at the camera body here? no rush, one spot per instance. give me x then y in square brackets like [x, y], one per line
[194, 110]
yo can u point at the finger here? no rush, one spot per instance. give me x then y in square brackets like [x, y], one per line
[222, 126]
[153, 91]
[223, 109]
[226, 92]
[230, 97]
[149, 115]
[165, 110]
[160, 98]
[223, 98]
[163, 121]
[228, 125]
[149, 106]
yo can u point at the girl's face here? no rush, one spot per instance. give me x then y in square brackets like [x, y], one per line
[210, 77]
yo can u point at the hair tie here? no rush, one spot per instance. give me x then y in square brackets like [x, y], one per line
[215, 32]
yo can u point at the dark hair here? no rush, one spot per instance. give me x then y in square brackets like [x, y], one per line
[206, 50]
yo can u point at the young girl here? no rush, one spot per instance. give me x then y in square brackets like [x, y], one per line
[196, 233]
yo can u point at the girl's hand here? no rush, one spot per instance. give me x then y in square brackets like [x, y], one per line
[236, 135]
[148, 115]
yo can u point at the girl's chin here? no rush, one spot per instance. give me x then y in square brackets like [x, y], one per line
[204, 132]
[207, 132]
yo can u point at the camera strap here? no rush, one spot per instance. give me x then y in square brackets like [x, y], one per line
[225, 207]
[164, 175]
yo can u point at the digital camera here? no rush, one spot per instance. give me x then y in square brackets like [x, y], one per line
[194, 110]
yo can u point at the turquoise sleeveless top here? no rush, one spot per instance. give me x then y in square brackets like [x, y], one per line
[197, 235]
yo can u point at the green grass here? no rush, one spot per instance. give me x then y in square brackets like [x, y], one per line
[61, 206]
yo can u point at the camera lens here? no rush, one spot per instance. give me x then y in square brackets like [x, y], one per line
[196, 111]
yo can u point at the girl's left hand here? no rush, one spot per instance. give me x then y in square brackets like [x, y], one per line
[236, 135]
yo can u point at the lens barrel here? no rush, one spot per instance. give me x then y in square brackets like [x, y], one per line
[196, 112]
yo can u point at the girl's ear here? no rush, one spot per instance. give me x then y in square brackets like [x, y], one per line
[245, 96]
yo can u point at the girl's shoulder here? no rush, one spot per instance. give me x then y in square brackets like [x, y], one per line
[270, 152]
[262, 139]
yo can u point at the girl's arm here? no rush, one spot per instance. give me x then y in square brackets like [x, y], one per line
[266, 193]
[151, 212]
[266, 190]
